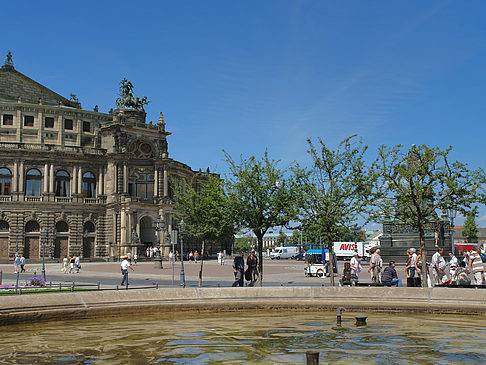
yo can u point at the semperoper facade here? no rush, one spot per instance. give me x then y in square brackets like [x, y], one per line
[81, 182]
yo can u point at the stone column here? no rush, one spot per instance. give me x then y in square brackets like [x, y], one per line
[123, 235]
[156, 181]
[166, 182]
[100, 181]
[110, 179]
[125, 178]
[74, 180]
[46, 178]
[51, 179]
[21, 177]
[80, 179]
[15, 177]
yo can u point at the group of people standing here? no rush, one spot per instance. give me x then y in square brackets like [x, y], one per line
[388, 275]
[19, 263]
[251, 274]
[71, 264]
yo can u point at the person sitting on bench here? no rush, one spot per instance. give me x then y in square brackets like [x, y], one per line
[389, 275]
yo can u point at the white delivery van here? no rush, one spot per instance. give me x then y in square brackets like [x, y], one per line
[288, 252]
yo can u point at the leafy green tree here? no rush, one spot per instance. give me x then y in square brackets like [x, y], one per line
[262, 196]
[242, 244]
[295, 238]
[417, 183]
[282, 238]
[336, 192]
[470, 229]
[206, 211]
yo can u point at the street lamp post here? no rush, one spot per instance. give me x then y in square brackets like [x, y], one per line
[183, 277]
[451, 212]
[43, 238]
[52, 233]
[17, 240]
[159, 225]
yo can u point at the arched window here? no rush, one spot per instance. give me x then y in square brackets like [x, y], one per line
[62, 183]
[89, 185]
[62, 227]
[31, 226]
[89, 227]
[5, 181]
[33, 182]
[4, 226]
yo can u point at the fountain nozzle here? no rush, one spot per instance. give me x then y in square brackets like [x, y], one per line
[338, 314]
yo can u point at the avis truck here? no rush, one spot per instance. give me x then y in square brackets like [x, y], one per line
[346, 249]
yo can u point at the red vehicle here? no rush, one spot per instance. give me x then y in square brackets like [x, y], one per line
[463, 247]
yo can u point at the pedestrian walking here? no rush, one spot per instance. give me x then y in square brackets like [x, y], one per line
[135, 258]
[125, 265]
[476, 266]
[65, 265]
[22, 263]
[17, 263]
[239, 269]
[71, 264]
[252, 263]
[77, 264]
[196, 257]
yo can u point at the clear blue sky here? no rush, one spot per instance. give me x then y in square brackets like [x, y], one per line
[248, 75]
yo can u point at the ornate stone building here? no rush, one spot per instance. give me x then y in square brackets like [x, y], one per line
[79, 182]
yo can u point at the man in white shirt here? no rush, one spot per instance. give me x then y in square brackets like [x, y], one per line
[355, 267]
[125, 264]
[453, 263]
[438, 266]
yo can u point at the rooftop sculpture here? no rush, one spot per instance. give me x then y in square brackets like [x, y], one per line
[128, 99]
[8, 59]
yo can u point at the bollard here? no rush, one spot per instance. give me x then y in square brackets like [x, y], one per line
[157, 286]
[99, 285]
[1, 277]
[72, 287]
[312, 357]
[60, 287]
[361, 320]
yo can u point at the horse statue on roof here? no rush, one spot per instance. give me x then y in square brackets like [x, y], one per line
[127, 98]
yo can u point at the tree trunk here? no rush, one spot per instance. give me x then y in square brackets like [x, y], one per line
[260, 259]
[424, 256]
[202, 262]
[331, 261]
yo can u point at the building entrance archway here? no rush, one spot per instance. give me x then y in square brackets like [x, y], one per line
[147, 231]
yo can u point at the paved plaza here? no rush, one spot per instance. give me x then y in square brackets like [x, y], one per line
[276, 273]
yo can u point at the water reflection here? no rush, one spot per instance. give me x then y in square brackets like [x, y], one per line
[248, 337]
